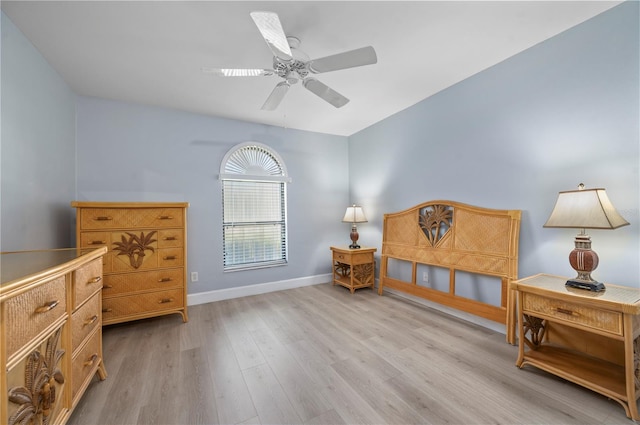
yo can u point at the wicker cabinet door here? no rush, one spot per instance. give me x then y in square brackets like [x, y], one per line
[36, 384]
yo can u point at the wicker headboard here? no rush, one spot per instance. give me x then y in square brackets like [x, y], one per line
[460, 238]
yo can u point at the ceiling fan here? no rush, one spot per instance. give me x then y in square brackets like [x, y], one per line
[293, 65]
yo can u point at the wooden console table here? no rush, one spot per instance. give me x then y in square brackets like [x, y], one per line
[353, 268]
[589, 338]
[50, 332]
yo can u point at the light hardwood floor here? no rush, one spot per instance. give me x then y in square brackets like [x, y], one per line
[320, 355]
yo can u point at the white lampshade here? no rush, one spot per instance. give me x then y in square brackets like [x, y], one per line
[354, 214]
[585, 209]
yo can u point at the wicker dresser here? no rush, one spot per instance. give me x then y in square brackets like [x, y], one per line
[50, 332]
[145, 267]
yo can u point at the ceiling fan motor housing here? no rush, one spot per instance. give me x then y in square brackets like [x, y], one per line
[288, 69]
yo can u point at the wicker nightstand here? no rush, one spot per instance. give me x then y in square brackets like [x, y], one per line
[590, 338]
[353, 268]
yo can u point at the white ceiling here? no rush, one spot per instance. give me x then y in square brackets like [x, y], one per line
[151, 52]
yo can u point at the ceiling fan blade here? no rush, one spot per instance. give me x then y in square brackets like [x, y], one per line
[237, 72]
[350, 59]
[276, 96]
[271, 29]
[325, 92]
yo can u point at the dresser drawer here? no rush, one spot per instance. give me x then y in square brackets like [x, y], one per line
[567, 312]
[31, 312]
[170, 238]
[95, 239]
[85, 363]
[87, 281]
[170, 257]
[85, 320]
[130, 218]
[112, 308]
[118, 284]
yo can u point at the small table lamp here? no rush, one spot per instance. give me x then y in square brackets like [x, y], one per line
[584, 209]
[354, 215]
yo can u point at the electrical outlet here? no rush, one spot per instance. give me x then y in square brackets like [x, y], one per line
[425, 277]
[194, 276]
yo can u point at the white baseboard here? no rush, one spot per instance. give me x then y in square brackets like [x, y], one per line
[261, 288]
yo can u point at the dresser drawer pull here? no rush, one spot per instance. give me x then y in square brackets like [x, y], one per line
[169, 257]
[165, 217]
[94, 280]
[341, 256]
[170, 238]
[103, 218]
[91, 360]
[107, 310]
[91, 320]
[165, 301]
[165, 279]
[97, 242]
[47, 307]
[564, 311]
[107, 286]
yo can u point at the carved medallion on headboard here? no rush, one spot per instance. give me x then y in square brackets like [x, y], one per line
[435, 221]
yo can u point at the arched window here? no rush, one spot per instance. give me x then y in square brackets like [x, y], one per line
[254, 207]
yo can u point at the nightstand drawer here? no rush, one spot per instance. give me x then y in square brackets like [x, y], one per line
[584, 316]
[353, 258]
[341, 258]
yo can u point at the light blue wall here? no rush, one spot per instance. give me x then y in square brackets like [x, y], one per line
[37, 149]
[563, 112]
[130, 152]
[513, 136]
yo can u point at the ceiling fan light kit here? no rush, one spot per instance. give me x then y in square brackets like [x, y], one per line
[293, 65]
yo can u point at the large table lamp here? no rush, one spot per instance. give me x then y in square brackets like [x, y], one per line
[353, 215]
[584, 209]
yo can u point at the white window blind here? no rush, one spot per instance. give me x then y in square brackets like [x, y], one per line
[254, 208]
[254, 225]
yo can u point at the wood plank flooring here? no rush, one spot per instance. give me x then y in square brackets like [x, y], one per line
[321, 355]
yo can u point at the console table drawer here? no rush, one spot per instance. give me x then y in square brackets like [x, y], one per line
[31, 312]
[567, 312]
[85, 320]
[87, 281]
[86, 362]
